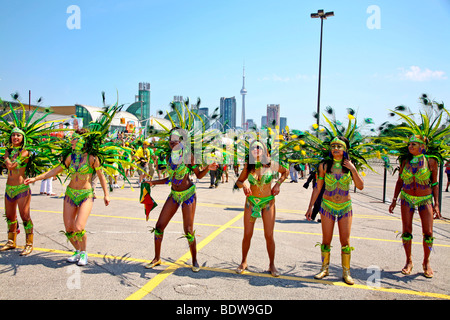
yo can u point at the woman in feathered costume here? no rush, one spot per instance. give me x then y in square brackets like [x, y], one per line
[422, 147]
[177, 143]
[24, 156]
[260, 170]
[342, 158]
[87, 154]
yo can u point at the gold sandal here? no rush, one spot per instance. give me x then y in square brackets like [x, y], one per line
[407, 273]
[426, 273]
[151, 265]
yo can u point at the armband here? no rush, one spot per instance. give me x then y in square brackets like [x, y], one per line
[97, 168]
[434, 184]
[278, 181]
[321, 178]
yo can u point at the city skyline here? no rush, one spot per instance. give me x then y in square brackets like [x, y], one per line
[373, 58]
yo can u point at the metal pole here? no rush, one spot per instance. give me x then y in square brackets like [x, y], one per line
[441, 182]
[384, 184]
[320, 74]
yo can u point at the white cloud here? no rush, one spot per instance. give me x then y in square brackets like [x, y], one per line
[415, 73]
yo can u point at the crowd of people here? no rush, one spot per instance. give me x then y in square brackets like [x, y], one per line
[335, 162]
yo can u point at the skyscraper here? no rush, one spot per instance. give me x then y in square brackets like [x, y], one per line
[273, 115]
[228, 113]
[263, 121]
[283, 123]
[243, 93]
[144, 96]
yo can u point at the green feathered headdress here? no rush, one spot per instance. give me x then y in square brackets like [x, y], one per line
[360, 149]
[36, 133]
[192, 127]
[111, 155]
[429, 127]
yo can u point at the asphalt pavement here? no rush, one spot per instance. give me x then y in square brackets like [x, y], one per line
[120, 244]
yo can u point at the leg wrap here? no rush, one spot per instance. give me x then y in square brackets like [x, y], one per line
[324, 247]
[69, 234]
[79, 235]
[406, 236]
[11, 223]
[190, 237]
[347, 249]
[429, 241]
[28, 225]
[158, 233]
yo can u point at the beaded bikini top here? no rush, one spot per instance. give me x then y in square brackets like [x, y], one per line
[266, 178]
[337, 181]
[16, 157]
[78, 168]
[177, 172]
[420, 174]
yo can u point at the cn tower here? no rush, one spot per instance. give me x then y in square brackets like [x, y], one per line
[243, 93]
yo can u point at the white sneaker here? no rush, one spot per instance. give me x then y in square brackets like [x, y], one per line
[75, 257]
[83, 259]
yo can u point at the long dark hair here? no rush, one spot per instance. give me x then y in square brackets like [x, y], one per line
[329, 162]
[251, 161]
[81, 131]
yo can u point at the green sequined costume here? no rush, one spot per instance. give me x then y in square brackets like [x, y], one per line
[77, 197]
[415, 201]
[185, 197]
[336, 211]
[12, 193]
[258, 204]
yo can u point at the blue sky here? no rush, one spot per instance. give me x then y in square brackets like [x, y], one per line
[197, 49]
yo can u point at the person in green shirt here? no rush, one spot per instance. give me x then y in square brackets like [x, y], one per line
[161, 169]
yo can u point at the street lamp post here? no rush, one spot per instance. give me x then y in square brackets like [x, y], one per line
[322, 15]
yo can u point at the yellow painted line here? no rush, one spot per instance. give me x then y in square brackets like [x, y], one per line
[180, 264]
[334, 283]
[89, 254]
[152, 284]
